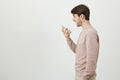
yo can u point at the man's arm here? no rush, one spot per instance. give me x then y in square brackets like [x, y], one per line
[92, 46]
[71, 44]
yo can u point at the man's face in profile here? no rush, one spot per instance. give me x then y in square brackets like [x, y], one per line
[77, 20]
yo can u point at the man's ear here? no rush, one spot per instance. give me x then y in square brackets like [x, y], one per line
[82, 16]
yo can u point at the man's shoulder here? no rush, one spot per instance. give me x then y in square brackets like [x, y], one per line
[92, 32]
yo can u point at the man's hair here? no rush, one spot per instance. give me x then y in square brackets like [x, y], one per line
[81, 9]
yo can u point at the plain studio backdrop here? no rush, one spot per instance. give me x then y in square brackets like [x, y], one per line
[32, 45]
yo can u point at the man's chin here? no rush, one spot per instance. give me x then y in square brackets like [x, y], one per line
[78, 25]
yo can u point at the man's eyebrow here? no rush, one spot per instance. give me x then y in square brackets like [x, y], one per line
[73, 15]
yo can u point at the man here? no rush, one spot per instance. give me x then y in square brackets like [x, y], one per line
[87, 47]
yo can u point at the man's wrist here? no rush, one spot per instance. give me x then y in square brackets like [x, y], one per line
[68, 38]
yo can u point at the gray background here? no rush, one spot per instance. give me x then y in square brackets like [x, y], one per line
[32, 46]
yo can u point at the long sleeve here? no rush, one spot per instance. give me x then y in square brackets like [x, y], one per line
[71, 44]
[92, 48]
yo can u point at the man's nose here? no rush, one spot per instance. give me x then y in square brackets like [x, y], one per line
[73, 19]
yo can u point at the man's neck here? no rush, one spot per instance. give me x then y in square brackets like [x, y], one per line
[86, 24]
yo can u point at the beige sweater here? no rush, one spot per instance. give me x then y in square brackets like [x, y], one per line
[86, 51]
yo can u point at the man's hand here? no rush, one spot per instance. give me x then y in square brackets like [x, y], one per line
[66, 32]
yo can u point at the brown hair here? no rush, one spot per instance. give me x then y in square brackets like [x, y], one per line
[81, 9]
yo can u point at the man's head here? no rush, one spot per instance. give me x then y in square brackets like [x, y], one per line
[80, 14]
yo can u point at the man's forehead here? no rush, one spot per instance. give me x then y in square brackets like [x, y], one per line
[74, 14]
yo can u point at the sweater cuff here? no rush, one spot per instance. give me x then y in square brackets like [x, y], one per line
[68, 38]
[84, 78]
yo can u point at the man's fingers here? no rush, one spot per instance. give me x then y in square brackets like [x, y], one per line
[66, 31]
[69, 31]
[63, 29]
